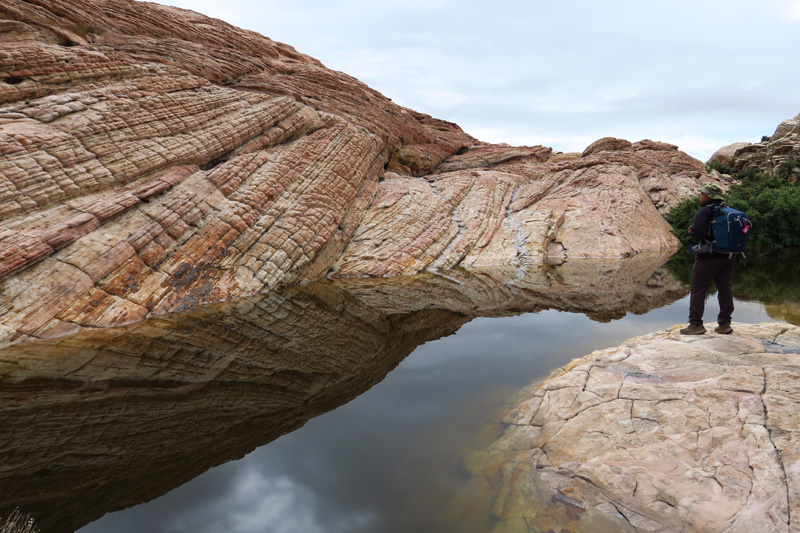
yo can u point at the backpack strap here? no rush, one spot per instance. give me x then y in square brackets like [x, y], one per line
[715, 212]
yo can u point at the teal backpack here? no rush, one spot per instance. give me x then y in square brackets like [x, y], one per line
[729, 230]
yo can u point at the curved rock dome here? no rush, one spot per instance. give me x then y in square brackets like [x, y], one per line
[152, 159]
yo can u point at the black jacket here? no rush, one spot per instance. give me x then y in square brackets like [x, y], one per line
[701, 227]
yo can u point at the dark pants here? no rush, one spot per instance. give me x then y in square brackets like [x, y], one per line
[720, 271]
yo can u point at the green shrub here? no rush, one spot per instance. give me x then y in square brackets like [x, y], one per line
[752, 174]
[681, 217]
[765, 138]
[774, 210]
[772, 204]
[787, 167]
[722, 168]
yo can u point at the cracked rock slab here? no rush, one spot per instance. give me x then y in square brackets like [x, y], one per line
[663, 433]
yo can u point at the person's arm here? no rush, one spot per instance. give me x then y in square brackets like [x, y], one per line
[699, 230]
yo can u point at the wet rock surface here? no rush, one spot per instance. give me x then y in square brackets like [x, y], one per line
[663, 433]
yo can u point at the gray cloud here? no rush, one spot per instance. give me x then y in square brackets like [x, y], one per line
[703, 74]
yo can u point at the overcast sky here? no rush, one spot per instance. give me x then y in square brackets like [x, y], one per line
[700, 74]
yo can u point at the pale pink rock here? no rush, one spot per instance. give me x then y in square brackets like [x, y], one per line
[175, 160]
[672, 432]
[725, 154]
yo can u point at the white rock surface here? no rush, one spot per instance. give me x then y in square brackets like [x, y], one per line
[671, 432]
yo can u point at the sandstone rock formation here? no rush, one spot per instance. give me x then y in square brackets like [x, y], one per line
[725, 154]
[107, 418]
[664, 433]
[768, 156]
[520, 213]
[152, 159]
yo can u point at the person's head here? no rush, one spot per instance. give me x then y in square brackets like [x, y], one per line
[710, 191]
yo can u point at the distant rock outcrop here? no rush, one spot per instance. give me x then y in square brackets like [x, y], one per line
[666, 433]
[724, 155]
[769, 155]
[152, 159]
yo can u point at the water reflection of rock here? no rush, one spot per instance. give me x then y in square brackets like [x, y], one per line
[601, 289]
[108, 418]
[786, 311]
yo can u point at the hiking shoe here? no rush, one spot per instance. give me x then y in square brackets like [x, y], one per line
[725, 329]
[693, 329]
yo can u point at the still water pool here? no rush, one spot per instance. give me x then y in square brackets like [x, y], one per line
[389, 458]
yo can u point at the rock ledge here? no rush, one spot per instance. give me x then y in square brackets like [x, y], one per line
[663, 433]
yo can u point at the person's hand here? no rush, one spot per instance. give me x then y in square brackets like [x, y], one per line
[689, 230]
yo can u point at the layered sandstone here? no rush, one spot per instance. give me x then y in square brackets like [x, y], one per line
[518, 209]
[663, 433]
[768, 155]
[153, 159]
[137, 177]
[724, 155]
[106, 418]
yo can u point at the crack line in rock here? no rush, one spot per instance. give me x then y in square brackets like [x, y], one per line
[778, 453]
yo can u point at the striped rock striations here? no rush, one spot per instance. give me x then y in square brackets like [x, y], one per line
[152, 159]
[500, 206]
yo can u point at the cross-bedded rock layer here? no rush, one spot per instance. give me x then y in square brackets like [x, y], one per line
[152, 159]
[664, 433]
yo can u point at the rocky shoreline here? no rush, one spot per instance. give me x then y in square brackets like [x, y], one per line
[663, 433]
[154, 160]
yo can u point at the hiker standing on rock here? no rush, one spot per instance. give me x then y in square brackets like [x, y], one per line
[709, 266]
